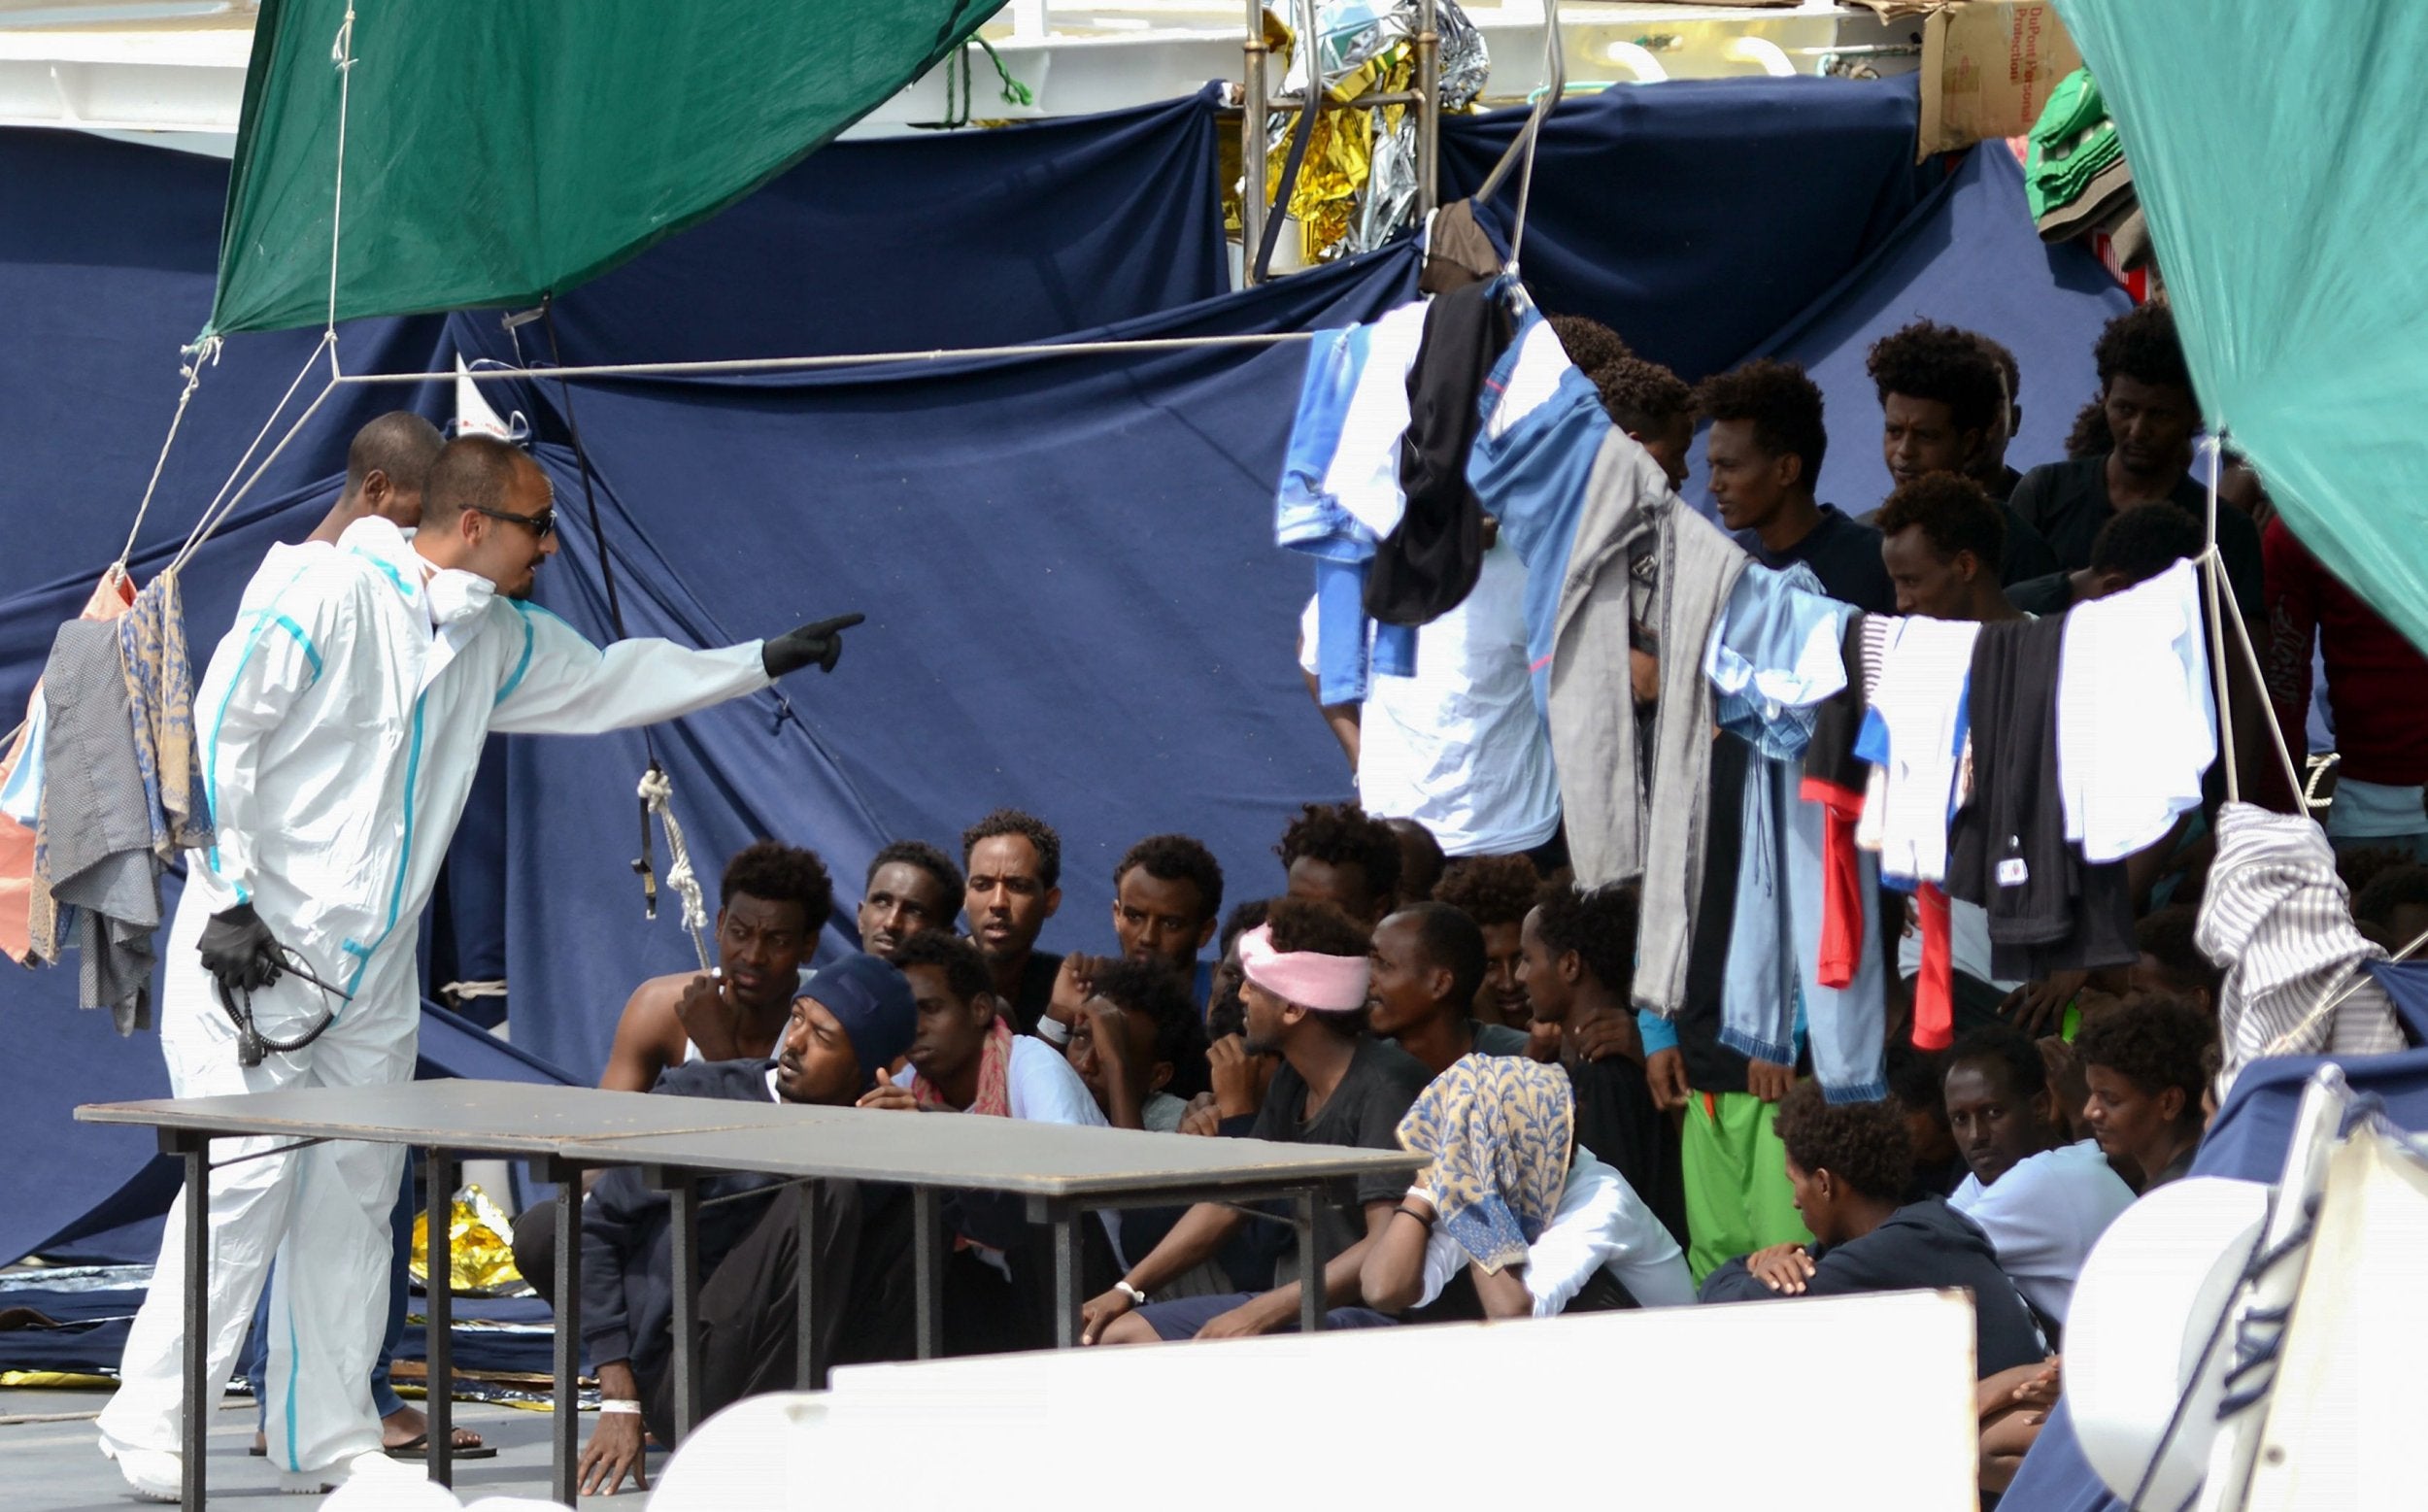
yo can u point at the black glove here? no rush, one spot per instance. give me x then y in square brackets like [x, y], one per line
[239, 951]
[819, 646]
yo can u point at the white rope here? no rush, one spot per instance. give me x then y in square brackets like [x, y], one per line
[194, 537]
[2212, 570]
[193, 380]
[656, 790]
[211, 523]
[1072, 349]
[341, 55]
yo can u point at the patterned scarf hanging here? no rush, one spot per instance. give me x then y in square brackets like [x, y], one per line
[1499, 1129]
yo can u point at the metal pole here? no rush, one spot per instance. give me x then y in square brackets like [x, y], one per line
[927, 1242]
[1429, 109]
[1310, 1266]
[440, 1355]
[194, 1149]
[565, 1426]
[685, 1191]
[807, 1367]
[1066, 1298]
[1252, 144]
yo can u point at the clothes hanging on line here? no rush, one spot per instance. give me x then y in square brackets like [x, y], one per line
[94, 854]
[109, 599]
[1914, 732]
[1339, 497]
[2136, 726]
[160, 700]
[2048, 909]
[1776, 658]
[1428, 563]
[2277, 918]
[1581, 500]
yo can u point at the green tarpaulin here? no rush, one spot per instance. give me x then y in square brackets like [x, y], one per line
[2277, 149]
[497, 152]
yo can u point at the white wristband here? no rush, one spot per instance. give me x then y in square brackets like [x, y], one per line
[617, 1407]
[1053, 1031]
[1137, 1299]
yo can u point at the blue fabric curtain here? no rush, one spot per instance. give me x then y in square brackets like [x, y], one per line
[1966, 256]
[1697, 217]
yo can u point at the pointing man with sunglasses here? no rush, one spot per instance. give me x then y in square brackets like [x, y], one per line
[339, 723]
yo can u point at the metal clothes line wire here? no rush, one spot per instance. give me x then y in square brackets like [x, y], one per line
[1073, 348]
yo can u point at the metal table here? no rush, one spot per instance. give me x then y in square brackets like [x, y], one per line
[450, 1119]
[1063, 1171]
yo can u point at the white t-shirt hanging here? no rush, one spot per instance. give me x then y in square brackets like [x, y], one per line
[1911, 733]
[2135, 725]
[1459, 747]
[1365, 472]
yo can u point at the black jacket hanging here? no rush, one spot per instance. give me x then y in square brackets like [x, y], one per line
[1430, 563]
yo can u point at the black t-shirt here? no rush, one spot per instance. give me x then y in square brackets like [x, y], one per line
[1843, 554]
[1037, 990]
[2026, 552]
[2043, 596]
[1362, 1113]
[1499, 1039]
[2068, 502]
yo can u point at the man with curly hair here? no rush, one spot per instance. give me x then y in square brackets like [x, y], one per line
[912, 886]
[1014, 885]
[1991, 472]
[1139, 1045]
[1338, 854]
[1590, 345]
[2152, 416]
[1764, 455]
[1306, 991]
[1497, 891]
[771, 903]
[1942, 400]
[1427, 966]
[1850, 1164]
[1652, 405]
[2142, 1059]
[1577, 964]
[1942, 540]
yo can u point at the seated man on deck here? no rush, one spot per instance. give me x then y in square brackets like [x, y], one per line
[965, 1059]
[1167, 893]
[853, 1020]
[1015, 885]
[1541, 1226]
[1305, 998]
[1579, 967]
[912, 886]
[1338, 854]
[2042, 1202]
[1850, 1164]
[1139, 1045]
[1497, 893]
[771, 904]
[1426, 965]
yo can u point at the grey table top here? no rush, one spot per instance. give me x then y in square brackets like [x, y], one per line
[502, 1117]
[779, 1139]
[996, 1155]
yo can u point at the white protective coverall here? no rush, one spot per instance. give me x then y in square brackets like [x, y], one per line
[342, 719]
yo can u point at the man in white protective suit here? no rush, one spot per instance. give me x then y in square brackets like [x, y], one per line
[341, 719]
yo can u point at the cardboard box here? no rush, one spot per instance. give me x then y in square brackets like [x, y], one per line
[1987, 70]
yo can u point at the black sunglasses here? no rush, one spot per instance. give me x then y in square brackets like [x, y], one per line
[542, 525]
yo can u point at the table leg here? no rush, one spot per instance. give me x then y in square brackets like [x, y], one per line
[194, 1149]
[439, 1178]
[565, 1427]
[1310, 1266]
[684, 1187]
[1066, 1298]
[808, 1368]
[927, 1241]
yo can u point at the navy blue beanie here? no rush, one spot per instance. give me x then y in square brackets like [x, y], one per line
[872, 1001]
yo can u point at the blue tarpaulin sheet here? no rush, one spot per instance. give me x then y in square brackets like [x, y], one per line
[1075, 605]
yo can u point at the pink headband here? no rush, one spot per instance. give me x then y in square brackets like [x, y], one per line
[1327, 984]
